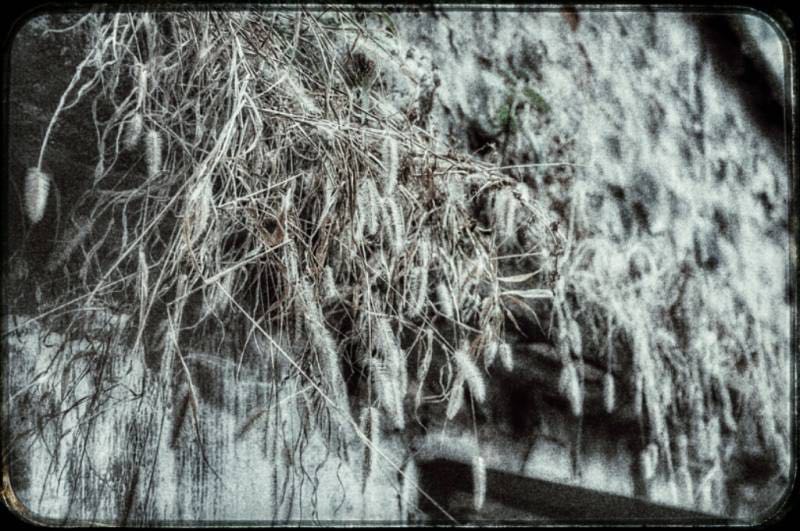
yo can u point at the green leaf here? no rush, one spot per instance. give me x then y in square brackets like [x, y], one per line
[536, 100]
[503, 115]
[390, 27]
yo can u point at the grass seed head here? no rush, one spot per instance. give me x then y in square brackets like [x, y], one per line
[72, 240]
[390, 163]
[445, 300]
[424, 250]
[409, 496]
[506, 357]
[456, 399]
[395, 224]
[653, 449]
[478, 482]
[37, 186]
[570, 387]
[153, 153]
[370, 425]
[143, 277]
[682, 450]
[424, 366]
[201, 206]
[389, 346]
[329, 285]
[609, 394]
[141, 84]
[133, 132]
[472, 374]
[490, 352]
[646, 465]
[368, 207]
[387, 393]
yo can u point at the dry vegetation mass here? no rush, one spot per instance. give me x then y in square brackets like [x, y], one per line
[255, 183]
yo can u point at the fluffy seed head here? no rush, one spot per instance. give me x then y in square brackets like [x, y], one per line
[653, 449]
[713, 437]
[409, 495]
[646, 465]
[422, 370]
[491, 349]
[37, 186]
[362, 212]
[72, 240]
[329, 285]
[152, 153]
[506, 358]
[323, 343]
[390, 162]
[571, 388]
[608, 392]
[471, 372]
[421, 296]
[373, 207]
[456, 399]
[510, 224]
[370, 425]
[412, 289]
[424, 251]
[386, 341]
[445, 300]
[505, 214]
[394, 224]
[478, 482]
[368, 205]
[133, 132]
[290, 259]
[682, 445]
[199, 206]
[387, 393]
[575, 337]
[143, 277]
[141, 84]
[389, 346]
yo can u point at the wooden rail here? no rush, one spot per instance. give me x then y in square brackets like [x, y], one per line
[518, 499]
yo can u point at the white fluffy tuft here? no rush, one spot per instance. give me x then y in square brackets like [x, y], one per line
[608, 392]
[409, 495]
[478, 482]
[471, 372]
[390, 161]
[37, 186]
[152, 153]
[133, 132]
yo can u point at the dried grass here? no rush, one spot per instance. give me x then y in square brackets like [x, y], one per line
[259, 191]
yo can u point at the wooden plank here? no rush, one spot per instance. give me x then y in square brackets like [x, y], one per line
[514, 498]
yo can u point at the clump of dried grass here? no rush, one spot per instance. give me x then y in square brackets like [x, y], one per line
[259, 195]
[691, 344]
[279, 187]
